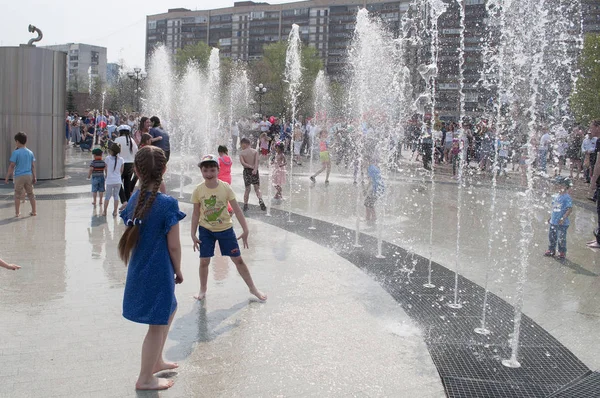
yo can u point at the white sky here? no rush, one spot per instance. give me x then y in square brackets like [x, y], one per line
[117, 25]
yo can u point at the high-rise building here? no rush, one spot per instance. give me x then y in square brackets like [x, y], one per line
[83, 61]
[241, 32]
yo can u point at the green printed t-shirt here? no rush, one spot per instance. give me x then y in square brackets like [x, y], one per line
[213, 206]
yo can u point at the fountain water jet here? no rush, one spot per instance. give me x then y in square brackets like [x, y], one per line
[429, 74]
[376, 67]
[293, 76]
[461, 154]
[321, 105]
[212, 100]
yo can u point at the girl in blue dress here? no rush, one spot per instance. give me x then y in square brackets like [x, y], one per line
[151, 246]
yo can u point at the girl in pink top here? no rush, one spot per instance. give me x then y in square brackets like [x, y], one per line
[225, 163]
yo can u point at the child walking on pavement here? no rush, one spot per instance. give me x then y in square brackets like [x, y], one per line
[151, 246]
[249, 159]
[96, 173]
[562, 205]
[22, 165]
[325, 159]
[214, 224]
[114, 169]
[279, 172]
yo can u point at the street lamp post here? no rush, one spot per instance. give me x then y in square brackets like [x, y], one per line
[260, 90]
[137, 75]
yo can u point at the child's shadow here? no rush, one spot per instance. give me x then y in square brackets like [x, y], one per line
[577, 269]
[198, 326]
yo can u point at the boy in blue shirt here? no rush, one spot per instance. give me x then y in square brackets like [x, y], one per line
[374, 190]
[22, 164]
[562, 205]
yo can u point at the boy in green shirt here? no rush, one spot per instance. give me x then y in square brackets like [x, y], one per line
[213, 223]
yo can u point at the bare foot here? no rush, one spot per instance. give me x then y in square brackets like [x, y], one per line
[94, 203]
[114, 213]
[103, 214]
[17, 215]
[33, 214]
[162, 365]
[156, 383]
[101, 204]
[200, 296]
[261, 296]
[123, 206]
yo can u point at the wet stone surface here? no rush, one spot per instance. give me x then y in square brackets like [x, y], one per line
[338, 322]
[469, 364]
[327, 329]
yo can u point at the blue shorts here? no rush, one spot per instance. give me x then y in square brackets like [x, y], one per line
[227, 242]
[97, 183]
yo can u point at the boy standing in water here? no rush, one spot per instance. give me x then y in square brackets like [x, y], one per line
[22, 165]
[562, 205]
[373, 191]
[249, 159]
[213, 224]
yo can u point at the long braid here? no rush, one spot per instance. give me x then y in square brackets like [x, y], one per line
[150, 163]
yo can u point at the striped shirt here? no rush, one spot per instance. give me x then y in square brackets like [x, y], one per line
[98, 167]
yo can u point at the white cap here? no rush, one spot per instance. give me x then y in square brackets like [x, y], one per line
[124, 127]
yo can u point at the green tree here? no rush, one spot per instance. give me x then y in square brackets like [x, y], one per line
[199, 52]
[270, 70]
[95, 99]
[585, 100]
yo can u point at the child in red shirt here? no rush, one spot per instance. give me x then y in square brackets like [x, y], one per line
[225, 163]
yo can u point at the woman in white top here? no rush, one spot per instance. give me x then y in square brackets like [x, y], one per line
[128, 151]
[113, 171]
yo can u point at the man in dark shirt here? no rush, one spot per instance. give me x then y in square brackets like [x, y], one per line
[160, 138]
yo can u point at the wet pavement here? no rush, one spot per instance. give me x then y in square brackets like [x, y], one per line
[328, 329]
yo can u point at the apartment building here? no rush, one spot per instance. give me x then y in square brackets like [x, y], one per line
[241, 31]
[83, 61]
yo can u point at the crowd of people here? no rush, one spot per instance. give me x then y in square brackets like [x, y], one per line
[481, 146]
[120, 137]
